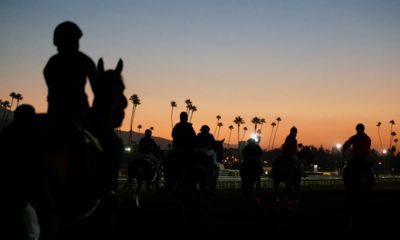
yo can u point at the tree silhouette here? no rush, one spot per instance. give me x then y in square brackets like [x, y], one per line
[273, 124]
[193, 109]
[6, 105]
[139, 128]
[262, 121]
[244, 132]
[238, 121]
[188, 105]
[392, 135]
[255, 121]
[230, 133]
[276, 130]
[13, 96]
[18, 97]
[173, 105]
[135, 101]
[379, 134]
[218, 119]
[219, 129]
[391, 131]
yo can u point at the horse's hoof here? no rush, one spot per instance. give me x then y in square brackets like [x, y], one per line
[136, 198]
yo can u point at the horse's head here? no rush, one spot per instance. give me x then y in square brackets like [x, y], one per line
[306, 155]
[109, 100]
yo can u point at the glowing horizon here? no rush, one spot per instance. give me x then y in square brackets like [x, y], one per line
[322, 66]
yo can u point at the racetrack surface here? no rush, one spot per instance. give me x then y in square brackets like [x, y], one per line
[322, 210]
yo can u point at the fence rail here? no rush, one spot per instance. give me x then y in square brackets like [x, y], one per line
[234, 182]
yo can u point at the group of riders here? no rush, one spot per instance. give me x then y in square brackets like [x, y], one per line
[66, 75]
[185, 141]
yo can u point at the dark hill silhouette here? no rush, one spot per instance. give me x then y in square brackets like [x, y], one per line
[124, 134]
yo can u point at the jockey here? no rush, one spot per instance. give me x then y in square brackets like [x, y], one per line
[251, 168]
[205, 144]
[290, 150]
[149, 149]
[361, 143]
[66, 74]
[290, 145]
[183, 135]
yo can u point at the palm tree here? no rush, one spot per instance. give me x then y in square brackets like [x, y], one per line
[193, 108]
[219, 129]
[218, 118]
[391, 131]
[395, 143]
[259, 132]
[173, 105]
[379, 134]
[392, 135]
[238, 121]
[19, 98]
[273, 124]
[188, 105]
[244, 132]
[139, 128]
[6, 105]
[151, 128]
[276, 130]
[136, 101]
[262, 121]
[13, 96]
[255, 121]
[230, 133]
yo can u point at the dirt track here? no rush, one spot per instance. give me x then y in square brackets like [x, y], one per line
[227, 213]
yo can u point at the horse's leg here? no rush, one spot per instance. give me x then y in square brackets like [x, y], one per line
[157, 183]
[276, 183]
[288, 196]
[137, 191]
[296, 200]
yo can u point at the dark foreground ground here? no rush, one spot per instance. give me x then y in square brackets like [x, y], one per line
[321, 213]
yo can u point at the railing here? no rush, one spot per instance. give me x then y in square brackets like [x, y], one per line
[234, 182]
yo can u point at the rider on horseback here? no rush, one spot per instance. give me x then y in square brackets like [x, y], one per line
[149, 149]
[206, 143]
[361, 149]
[358, 177]
[183, 135]
[361, 143]
[66, 75]
[251, 168]
[290, 150]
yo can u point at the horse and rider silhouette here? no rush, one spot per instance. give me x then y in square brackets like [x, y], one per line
[193, 163]
[73, 152]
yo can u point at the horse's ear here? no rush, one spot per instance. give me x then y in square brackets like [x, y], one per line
[100, 65]
[222, 141]
[120, 65]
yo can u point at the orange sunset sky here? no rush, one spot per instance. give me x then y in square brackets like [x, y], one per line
[320, 65]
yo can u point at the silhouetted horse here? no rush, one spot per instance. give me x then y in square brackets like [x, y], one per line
[143, 170]
[358, 178]
[81, 162]
[289, 171]
[184, 173]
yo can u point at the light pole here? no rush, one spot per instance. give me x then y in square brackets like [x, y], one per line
[338, 159]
